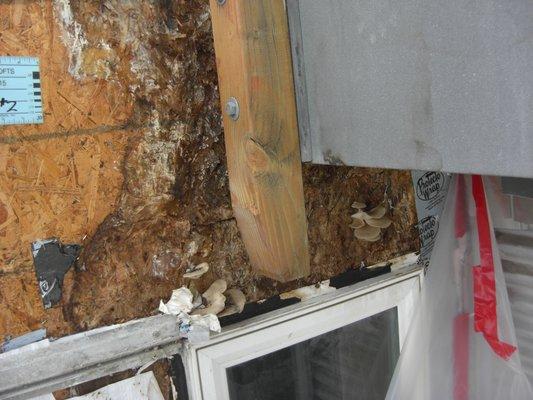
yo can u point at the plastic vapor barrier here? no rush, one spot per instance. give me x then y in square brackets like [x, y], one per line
[461, 343]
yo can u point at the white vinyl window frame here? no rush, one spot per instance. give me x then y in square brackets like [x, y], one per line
[206, 363]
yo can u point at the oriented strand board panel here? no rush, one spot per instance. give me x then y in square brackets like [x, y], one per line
[60, 178]
[142, 129]
[63, 177]
[264, 166]
[418, 84]
[56, 188]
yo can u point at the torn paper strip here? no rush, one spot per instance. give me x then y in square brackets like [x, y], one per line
[195, 328]
[180, 302]
[308, 292]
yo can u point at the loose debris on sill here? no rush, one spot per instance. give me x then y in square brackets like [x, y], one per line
[197, 314]
[308, 292]
[346, 278]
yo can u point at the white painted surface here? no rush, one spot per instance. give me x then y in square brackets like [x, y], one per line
[206, 364]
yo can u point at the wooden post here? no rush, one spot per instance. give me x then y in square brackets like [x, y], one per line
[264, 165]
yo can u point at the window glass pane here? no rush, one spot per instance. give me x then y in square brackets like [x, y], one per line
[351, 363]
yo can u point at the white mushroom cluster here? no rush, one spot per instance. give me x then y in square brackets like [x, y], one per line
[197, 313]
[367, 225]
[218, 299]
[196, 271]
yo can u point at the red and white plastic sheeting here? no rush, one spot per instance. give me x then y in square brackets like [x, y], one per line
[461, 344]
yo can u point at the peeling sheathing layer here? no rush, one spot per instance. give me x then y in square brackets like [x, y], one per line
[175, 211]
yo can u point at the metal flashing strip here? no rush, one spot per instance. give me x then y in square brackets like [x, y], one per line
[25, 373]
[24, 340]
[300, 86]
[418, 85]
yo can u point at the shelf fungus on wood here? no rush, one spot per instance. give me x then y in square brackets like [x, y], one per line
[196, 271]
[358, 205]
[235, 302]
[382, 222]
[368, 225]
[368, 233]
[376, 212]
[214, 296]
[221, 301]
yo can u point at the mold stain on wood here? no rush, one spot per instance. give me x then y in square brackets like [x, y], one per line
[130, 163]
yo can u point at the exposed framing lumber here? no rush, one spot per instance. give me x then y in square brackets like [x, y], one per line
[264, 164]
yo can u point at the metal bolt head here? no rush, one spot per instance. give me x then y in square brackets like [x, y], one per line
[232, 108]
[221, 2]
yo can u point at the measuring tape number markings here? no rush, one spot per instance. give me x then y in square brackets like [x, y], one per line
[20, 91]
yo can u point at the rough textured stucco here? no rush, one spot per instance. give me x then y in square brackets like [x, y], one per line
[173, 208]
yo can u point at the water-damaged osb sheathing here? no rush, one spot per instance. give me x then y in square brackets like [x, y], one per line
[174, 210]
